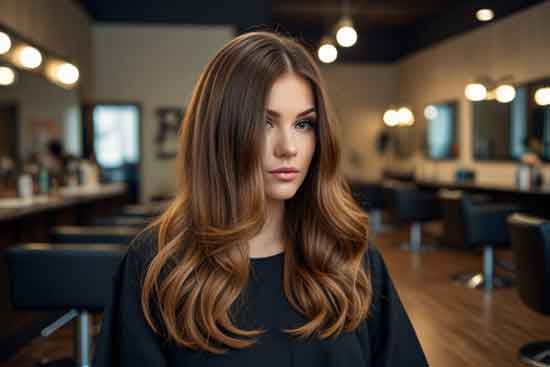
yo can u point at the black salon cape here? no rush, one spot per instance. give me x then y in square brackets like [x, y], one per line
[385, 339]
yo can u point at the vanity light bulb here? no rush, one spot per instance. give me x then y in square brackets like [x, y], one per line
[7, 76]
[505, 93]
[406, 117]
[30, 57]
[67, 73]
[475, 92]
[542, 96]
[5, 43]
[391, 118]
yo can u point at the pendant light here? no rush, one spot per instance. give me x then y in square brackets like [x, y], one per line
[346, 35]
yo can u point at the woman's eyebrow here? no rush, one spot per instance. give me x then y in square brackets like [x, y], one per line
[303, 113]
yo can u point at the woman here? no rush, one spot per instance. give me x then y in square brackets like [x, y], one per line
[262, 259]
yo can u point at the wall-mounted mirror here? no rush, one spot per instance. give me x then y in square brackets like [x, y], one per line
[34, 112]
[504, 131]
[537, 120]
[441, 131]
[403, 141]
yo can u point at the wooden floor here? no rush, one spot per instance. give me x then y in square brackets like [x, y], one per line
[457, 327]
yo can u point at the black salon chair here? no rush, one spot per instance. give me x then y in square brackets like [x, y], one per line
[413, 206]
[64, 277]
[119, 220]
[93, 234]
[370, 198]
[530, 237]
[485, 228]
[454, 227]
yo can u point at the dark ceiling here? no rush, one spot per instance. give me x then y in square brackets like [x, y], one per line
[388, 29]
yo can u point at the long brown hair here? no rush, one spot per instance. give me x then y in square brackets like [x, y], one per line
[202, 262]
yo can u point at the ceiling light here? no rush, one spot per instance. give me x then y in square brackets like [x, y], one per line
[505, 93]
[327, 52]
[346, 36]
[542, 96]
[475, 92]
[485, 15]
[5, 43]
[7, 76]
[391, 117]
[29, 57]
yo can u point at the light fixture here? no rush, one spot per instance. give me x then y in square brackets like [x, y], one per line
[67, 73]
[405, 116]
[485, 15]
[542, 96]
[5, 43]
[7, 76]
[391, 117]
[29, 57]
[327, 52]
[505, 93]
[346, 36]
[475, 92]
[430, 112]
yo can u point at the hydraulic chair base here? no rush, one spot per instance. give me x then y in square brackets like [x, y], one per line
[536, 354]
[415, 241]
[486, 280]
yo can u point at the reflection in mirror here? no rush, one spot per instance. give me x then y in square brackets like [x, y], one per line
[441, 130]
[33, 113]
[537, 130]
[492, 130]
[505, 131]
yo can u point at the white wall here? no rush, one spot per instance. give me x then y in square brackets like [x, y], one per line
[156, 66]
[360, 94]
[517, 45]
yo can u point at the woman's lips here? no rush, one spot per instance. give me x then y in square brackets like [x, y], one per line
[285, 176]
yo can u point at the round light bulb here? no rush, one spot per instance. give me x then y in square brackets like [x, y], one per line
[406, 117]
[346, 36]
[505, 93]
[5, 43]
[67, 73]
[30, 57]
[430, 112]
[327, 53]
[391, 117]
[7, 76]
[542, 96]
[485, 15]
[475, 92]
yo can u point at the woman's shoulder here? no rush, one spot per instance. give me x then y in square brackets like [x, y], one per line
[143, 248]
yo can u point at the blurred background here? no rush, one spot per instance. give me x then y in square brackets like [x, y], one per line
[444, 108]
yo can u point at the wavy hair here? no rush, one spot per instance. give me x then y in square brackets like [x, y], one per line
[201, 264]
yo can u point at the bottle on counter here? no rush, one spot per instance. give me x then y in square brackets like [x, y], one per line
[43, 180]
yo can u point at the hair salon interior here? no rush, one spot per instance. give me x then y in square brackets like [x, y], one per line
[444, 108]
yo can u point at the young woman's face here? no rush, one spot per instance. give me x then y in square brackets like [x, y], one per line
[290, 136]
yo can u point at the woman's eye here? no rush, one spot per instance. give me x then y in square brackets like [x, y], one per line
[269, 123]
[307, 124]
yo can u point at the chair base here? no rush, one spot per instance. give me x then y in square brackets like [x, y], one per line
[536, 354]
[478, 281]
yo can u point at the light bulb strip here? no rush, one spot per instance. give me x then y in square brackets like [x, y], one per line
[27, 56]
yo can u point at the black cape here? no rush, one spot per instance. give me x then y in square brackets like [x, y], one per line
[385, 339]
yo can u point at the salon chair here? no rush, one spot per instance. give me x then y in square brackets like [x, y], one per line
[119, 220]
[530, 237]
[93, 234]
[485, 228]
[370, 198]
[76, 278]
[412, 206]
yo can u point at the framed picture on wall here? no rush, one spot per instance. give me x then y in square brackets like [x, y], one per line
[168, 124]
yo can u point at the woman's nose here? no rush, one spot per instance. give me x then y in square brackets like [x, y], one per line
[286, 144]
